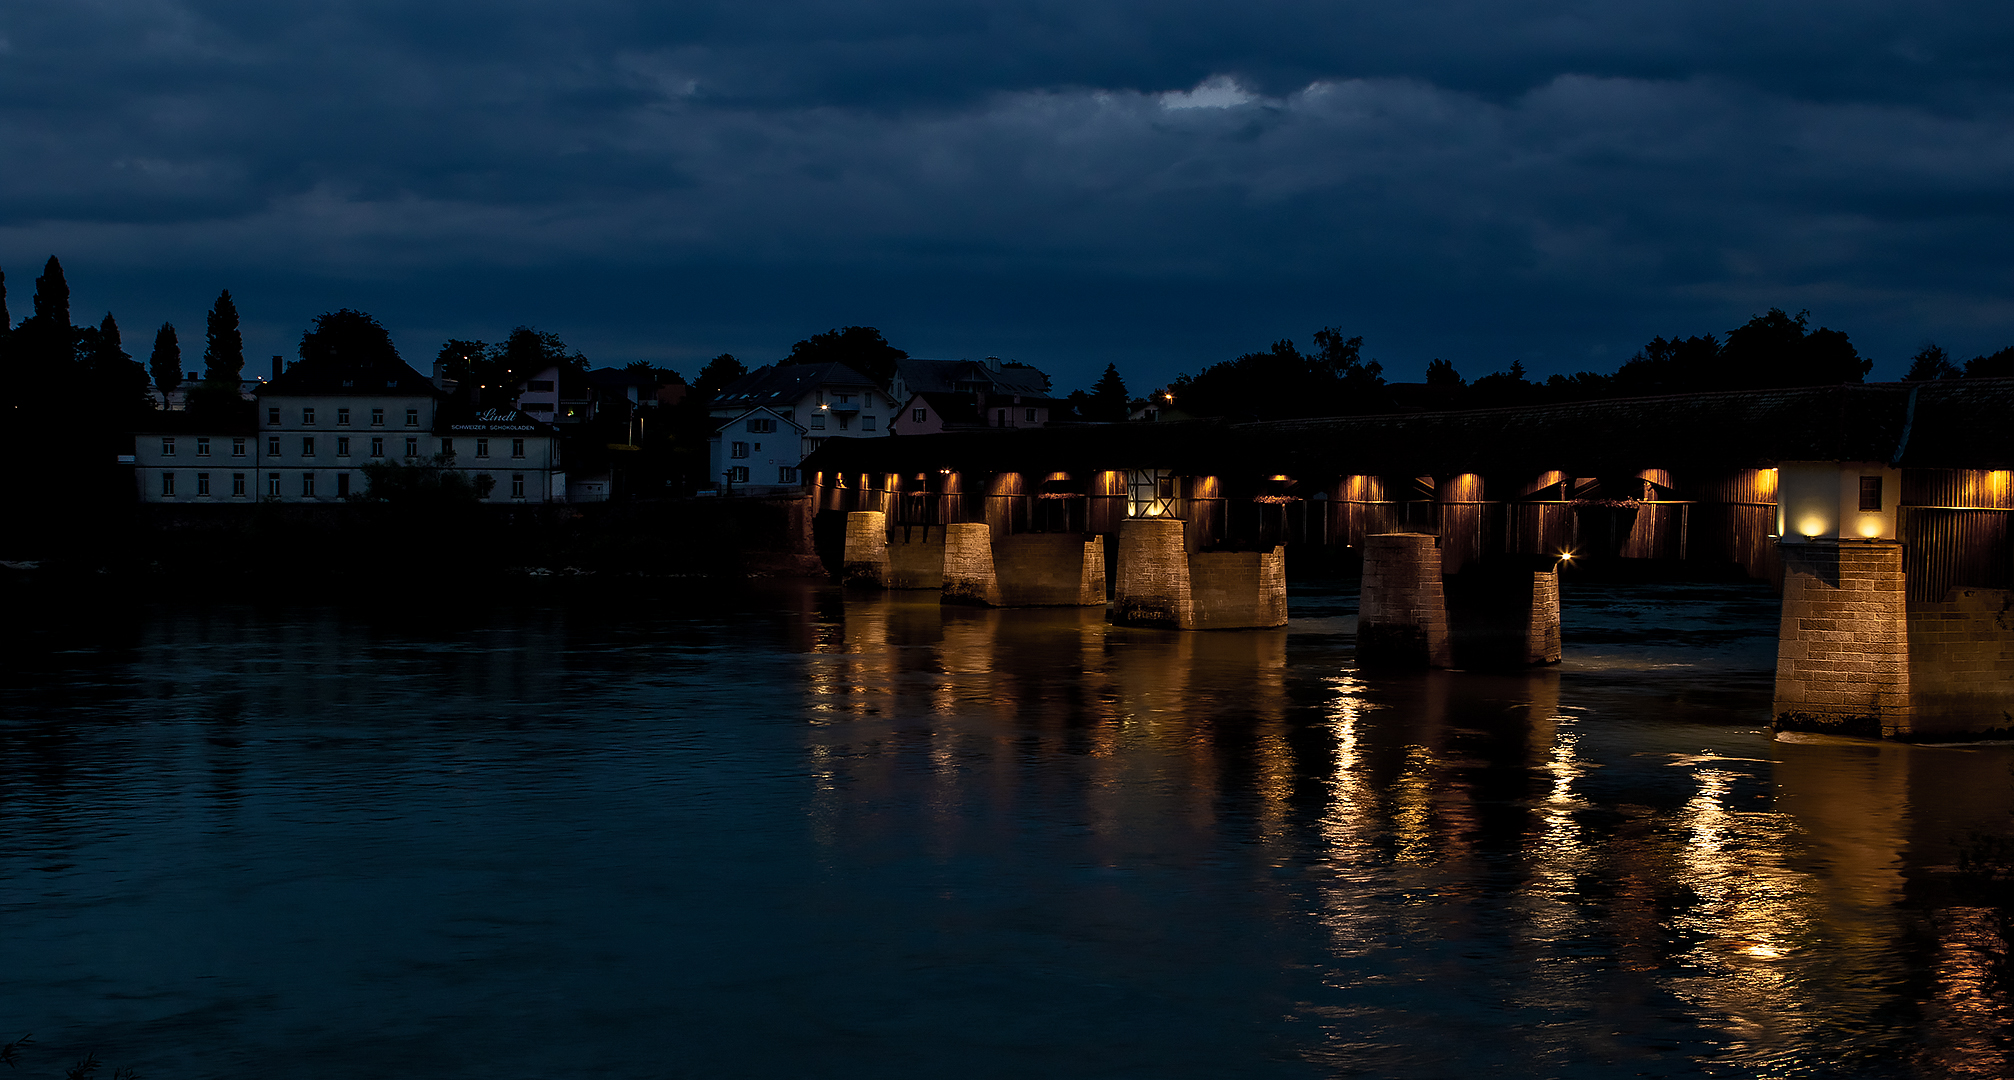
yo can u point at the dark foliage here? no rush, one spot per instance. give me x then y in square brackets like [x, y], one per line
[165, 363]
[1107, 400]
[861, 348]
[1997, 365]
[350, 337]
[423, 483]
[1931, 362]
[1285, 383]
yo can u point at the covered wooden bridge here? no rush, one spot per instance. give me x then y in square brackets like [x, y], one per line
[1682, 484]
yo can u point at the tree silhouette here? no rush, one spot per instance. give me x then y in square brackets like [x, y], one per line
[112, 377]
[1997, 365]
[224, 346]
[861, 348]
[1442, 373]
[165, 363]
[351, 338]
[1284, 382]
[1931, 362]
[1108, 399]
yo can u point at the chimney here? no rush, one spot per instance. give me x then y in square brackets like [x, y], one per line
[279, 365]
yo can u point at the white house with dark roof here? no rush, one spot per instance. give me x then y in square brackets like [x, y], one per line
[820, 401]
[756, 453]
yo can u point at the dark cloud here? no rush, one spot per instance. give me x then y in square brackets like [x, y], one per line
[1157, 184]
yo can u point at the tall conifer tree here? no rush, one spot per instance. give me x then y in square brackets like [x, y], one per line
[165, 365]
[224, 347]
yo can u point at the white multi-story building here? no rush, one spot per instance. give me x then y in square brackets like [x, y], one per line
[318, 424]
[816, 402]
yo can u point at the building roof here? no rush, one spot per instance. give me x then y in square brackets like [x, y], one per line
[354, 377]
[786, 384]
[1966, 423]
[723, 422]
[970, 376]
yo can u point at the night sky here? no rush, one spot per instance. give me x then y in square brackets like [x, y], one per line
[1155, 184]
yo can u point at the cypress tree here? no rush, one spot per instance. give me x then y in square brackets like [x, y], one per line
[109, 371]
[52, 296]
[166, 363]
[224, 347]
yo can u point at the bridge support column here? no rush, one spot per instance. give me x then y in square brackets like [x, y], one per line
[968, 564]
[916, 557]
[1402, 613]
[1503, 612]
[1153, 586]
[1842, 650]
[865, 561]
[1050, 570]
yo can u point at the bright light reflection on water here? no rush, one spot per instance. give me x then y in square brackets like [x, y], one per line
[789, 832]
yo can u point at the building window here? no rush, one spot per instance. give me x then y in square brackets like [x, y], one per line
[203, 484]
[482, 448]
[1031, 416]
[485, 483]
[202, 447]
[919, 416]
[377, 418]
[448, 447]
[843, 399]
[273, 485]
[517, 485]
[1870, 494]
[343, 446]
[844, 420]
[738, 474]
[867, 423]
[237, 485]
[412, 448]
[308, 417]
[412, 418]
[738, 450]
[272, 446]
[308, 446]
[818, 421]
[168, 484]
[307, 485]
[377, 448]
[237, 448]
[167, 447]
[517, 448]
[342, 485]
[786, 475]
[761, 425]
[273, 416]
[1003, 419]
[342, 418]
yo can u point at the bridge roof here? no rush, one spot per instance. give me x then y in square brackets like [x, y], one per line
[1966, 423]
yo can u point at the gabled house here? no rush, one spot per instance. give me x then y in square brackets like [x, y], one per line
[822, 401]
[965, 395]
[756, 453]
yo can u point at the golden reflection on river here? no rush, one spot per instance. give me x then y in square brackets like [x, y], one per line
[1425, 820]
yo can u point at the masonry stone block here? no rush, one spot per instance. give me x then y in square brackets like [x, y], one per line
[1402, 614]
[1050, 570]
[865, 561]
[1153, 586]
[1847, 671]
[969, 576]
[916, 557]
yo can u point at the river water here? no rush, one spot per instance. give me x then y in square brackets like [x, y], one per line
[782, 831]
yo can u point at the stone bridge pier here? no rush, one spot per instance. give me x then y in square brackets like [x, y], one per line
[1162, 583]
[1500, 613]
[968, 564]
